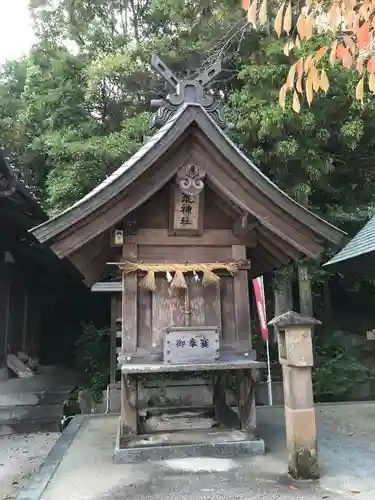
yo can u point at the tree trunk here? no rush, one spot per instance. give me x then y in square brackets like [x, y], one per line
[305, 295]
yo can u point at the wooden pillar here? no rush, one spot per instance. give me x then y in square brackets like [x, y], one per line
[113, 332]
[129, 405]
[296, 358]
[129, 302]
[246, 400]
[129, 386]
[241, 300]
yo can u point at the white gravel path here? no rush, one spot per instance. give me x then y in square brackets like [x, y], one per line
[20, 457]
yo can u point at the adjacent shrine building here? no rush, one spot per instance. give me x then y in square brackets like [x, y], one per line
[188, 207]
[31, 314]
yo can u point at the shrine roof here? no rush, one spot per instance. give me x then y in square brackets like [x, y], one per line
[185, 116]
[359, 247]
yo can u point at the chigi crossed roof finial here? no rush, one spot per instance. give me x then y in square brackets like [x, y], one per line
[184, 92]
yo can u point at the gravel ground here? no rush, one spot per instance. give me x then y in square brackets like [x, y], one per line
[20, 457]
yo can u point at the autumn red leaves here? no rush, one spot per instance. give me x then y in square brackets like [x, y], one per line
[351, 28]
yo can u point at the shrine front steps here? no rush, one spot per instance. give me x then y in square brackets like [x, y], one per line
[24, 419]
[34, 404]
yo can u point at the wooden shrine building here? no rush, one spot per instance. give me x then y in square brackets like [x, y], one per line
[29, 317]
[188, 219]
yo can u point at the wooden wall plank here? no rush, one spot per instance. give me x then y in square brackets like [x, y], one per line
[168, 307]
[227, 310]
[144, 318]
[241, 299]
[129, 303]
[204, 304]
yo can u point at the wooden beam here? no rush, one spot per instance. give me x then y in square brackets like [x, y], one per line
[285, 247]
[225, 205]
[244, 224]
[210, 237]
[273, 250]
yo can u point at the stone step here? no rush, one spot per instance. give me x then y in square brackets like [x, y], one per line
[29, 426]
[30, 412]
[34, 398]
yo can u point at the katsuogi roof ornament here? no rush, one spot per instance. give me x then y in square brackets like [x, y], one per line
[185, 92]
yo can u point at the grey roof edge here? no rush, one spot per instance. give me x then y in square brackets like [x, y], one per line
[90, 203]
[361, 244]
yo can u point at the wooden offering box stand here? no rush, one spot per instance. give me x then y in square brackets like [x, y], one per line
[187, 305]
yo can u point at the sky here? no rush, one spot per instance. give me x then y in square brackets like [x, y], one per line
[16, 34]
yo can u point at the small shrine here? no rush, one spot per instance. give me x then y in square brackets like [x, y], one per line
[174, 235]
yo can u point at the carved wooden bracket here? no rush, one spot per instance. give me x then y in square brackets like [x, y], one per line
[190, 180]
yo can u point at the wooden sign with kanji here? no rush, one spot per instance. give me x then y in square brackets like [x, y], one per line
[186, 216]
[191, 345]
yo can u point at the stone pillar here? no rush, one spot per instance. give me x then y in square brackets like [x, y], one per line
[296, 358]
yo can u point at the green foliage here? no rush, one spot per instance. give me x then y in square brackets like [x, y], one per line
[320, 156]
[92, 355]
[338, 368]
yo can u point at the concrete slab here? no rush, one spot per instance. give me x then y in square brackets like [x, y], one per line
[87, 472]
[191, 443]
